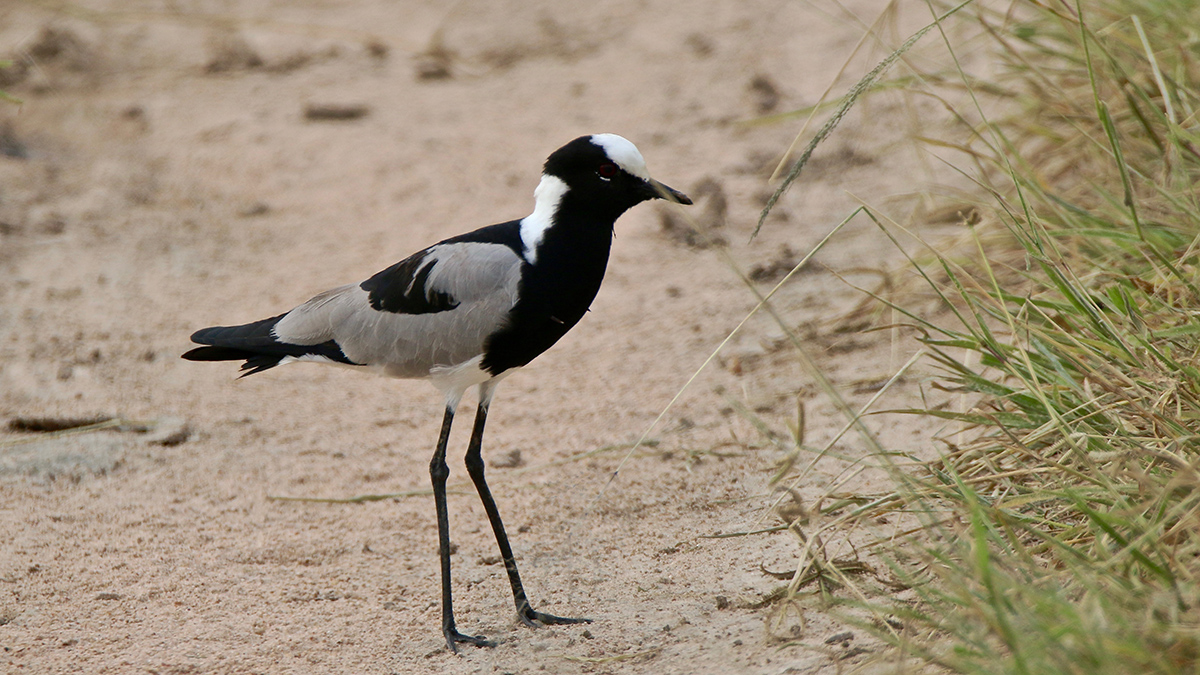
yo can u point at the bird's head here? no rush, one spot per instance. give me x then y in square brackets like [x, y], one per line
[606, 169]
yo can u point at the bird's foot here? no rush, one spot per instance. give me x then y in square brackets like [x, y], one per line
[453, 637]
[538, 619]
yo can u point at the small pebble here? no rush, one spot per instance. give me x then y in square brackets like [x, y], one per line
[840, 637]
[335, 112]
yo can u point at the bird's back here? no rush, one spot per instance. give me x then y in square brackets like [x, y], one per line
[433, 310]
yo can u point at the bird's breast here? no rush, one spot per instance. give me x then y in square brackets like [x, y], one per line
[554, 294]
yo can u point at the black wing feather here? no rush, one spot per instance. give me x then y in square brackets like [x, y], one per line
[403, 288]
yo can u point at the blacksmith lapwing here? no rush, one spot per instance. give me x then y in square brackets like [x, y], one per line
[468, 311]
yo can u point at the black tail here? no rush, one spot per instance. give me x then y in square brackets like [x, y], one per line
[256, 343]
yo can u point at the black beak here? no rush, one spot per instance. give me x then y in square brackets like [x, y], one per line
[657, 190]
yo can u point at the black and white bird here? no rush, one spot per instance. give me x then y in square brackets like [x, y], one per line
[468, 311]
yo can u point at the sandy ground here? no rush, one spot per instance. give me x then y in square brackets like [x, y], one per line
[166, 173]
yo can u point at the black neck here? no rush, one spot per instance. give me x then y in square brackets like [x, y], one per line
[557, 289]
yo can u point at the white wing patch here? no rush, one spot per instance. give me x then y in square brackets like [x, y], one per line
[548, 194]
[624, 153]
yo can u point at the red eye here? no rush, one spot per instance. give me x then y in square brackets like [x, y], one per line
[607, 170]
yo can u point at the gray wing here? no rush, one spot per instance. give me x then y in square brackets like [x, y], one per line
[434, 309]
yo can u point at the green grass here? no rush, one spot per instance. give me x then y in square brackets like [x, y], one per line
[1063, 536]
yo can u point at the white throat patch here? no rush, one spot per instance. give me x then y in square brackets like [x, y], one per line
[624, 153]
[546, 197]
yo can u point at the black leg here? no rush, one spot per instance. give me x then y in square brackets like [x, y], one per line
[475, 468]
[439, 472]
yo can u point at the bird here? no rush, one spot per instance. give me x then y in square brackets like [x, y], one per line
[468, 312]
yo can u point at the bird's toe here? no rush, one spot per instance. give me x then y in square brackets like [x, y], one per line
[534, 619]
[454, 638]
